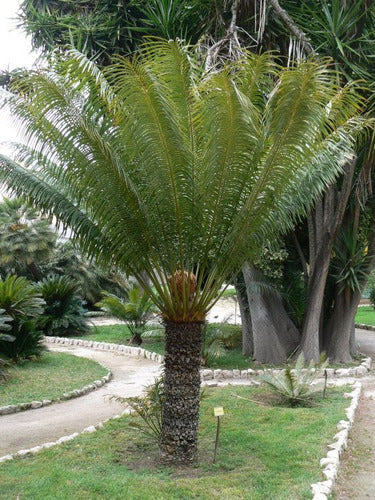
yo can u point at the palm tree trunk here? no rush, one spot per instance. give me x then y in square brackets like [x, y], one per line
[179, 435]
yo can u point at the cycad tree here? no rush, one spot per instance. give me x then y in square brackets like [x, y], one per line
[160, 168]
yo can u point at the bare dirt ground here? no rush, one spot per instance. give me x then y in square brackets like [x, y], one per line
[356, 479]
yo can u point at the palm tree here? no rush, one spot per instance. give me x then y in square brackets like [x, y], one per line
[162, 169]
[26, 238]
[135, 310]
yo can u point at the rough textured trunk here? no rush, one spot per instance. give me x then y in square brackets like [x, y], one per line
[274, 334]
[247, 330]
[339, 327]
[179, 435]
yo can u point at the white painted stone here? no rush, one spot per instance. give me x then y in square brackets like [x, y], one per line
[5, 458]
[343, 424]
[22, 453]
[320, 496]
[89, 430]
[36, 404]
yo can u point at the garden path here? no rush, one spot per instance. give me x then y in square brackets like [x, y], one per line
[356, 479]
[33, 427]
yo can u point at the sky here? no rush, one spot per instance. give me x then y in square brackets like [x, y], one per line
[15, 52]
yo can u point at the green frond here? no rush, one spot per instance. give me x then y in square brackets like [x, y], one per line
[161, 169]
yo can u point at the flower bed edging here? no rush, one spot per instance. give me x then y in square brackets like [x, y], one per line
[75, 393]
[330, 463]
[206, 374]
[363, 326]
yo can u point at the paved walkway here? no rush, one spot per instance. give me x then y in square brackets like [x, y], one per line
[33, 427]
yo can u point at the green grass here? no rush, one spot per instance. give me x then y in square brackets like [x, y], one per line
[119, 334]
[48, 378]
[366, 315]
[266, 452]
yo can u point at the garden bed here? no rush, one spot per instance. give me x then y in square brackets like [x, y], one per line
[266, 451]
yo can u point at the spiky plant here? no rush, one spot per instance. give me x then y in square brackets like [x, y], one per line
[135, 310]
[4, 326]
[26, 238]
[63, 313]
[23, 304]
[178, 175]
[295, 384]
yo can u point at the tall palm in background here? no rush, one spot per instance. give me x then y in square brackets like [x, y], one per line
[26, 238]
[160, 168]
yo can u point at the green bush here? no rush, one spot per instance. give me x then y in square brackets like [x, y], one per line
[23, 304]
[372, 297]
[4, 326]
[64, 313]
[136, 310]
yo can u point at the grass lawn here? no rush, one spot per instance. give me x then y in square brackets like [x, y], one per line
[266, 452]
[48, 378]
[119, 334]
[366, 315]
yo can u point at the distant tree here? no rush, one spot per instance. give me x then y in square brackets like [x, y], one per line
[27, 239]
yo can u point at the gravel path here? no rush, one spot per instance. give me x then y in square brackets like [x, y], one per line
[34, 427]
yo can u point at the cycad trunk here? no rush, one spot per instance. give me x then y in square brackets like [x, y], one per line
[179, 436]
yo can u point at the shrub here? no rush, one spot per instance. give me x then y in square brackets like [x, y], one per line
[22, 303]
[372, 297]
[295, 384]
[149, 409]
[135, 310]
[64, 313]
[4, 326]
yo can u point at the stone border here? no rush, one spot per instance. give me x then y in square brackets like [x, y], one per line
[206, 374]
[331, 462]
[105, 346]
[75, 393]
[362, 326]
[355, 371]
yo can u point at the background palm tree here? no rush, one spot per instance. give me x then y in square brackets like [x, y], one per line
[160, 168]
[26, 238]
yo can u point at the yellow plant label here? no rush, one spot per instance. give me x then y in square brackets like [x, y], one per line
[218, 411]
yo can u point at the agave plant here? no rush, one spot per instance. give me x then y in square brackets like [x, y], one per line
[168, 172]
[135, 310]
[295, 384]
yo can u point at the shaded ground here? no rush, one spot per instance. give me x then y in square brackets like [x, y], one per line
[356, 479]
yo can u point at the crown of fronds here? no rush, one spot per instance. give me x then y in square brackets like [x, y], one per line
[159, 168]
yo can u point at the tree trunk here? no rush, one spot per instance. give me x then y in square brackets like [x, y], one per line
[179, 435]
[323, 223]
[310, 344]
[339, 327]
[247, 330]
[34, 271]
[274, 334]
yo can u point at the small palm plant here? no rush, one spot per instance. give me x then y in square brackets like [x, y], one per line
[23, 304]
[63, 313]
[135, 311]
[295, 384]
